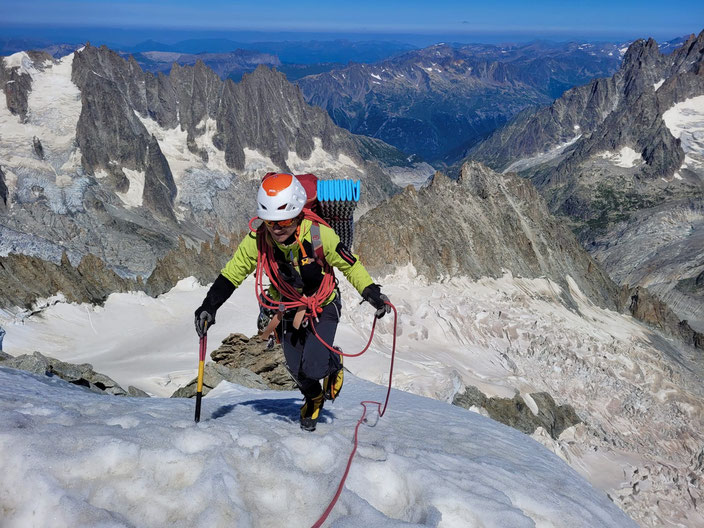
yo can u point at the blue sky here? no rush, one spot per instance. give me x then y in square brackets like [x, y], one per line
[547, 18]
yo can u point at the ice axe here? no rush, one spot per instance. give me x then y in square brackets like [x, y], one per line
[201, 362]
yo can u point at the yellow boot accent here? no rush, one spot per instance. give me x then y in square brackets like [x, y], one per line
[310, 412]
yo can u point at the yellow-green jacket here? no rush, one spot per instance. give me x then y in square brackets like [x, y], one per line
[305, 277]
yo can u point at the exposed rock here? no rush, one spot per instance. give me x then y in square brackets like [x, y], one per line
[16, 85]
[37, 146]
[203, 263]
[112, 138]
[476, 227]
[239, 351]
[648, 308]
[137, 393]
[3, 190]
[245, 114]
[82, 375]
[516, 413]
[25, 279]
[214, 373]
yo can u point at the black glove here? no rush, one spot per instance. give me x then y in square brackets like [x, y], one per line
[372, 294]
[203, 315]
[218, 293]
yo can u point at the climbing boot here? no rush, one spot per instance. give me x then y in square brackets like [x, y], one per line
[310, 412]
[332, 384]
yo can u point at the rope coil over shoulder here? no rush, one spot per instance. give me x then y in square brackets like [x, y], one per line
[267, 265]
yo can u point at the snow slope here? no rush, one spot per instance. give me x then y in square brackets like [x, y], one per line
[641, 398]
[91, 460]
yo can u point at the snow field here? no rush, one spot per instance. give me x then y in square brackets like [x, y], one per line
[93, 460]
[626, 157]
[506, 336]
[685, 121]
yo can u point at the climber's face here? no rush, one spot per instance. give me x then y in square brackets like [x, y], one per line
[280, 231]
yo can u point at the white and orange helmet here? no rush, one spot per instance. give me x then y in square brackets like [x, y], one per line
[281, 197]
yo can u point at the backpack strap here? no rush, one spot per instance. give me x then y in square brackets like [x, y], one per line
[317, 242]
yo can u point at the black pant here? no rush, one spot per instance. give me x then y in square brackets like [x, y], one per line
[307, 358]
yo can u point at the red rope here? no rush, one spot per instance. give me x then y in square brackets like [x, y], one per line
[267, 265]
[361, 420]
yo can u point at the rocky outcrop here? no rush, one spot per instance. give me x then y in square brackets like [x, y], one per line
[646, 307]
[214, 373]
[239, 351]
[203, 262]
[516, 413]
[16, 85]
[82, 375]
[25, 279]
[244, 361]
[478, 226]
[3, 190]
[37, 147]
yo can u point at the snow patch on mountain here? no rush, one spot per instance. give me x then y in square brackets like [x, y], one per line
[544, 157]
[173, 144]
[204, 141]
[658, 84]
[685, 121]
[133, 196]
[257, 163]
[321, 160]
[626, 157]
[418, 175]
[19, 60]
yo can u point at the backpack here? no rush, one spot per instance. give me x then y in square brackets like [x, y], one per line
[334, 201]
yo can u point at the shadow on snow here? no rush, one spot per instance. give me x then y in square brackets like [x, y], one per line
[287, 410]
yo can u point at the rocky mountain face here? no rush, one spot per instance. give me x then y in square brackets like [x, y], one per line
[436, 101]
[99, 158]
[622, 159]
[27, 278]
[480, 225]
[228, 65]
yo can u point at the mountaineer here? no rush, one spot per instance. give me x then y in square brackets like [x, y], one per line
[301, 253]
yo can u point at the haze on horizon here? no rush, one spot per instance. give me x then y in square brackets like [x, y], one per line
[411, 21]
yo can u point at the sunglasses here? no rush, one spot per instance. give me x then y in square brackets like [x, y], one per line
[280, 223]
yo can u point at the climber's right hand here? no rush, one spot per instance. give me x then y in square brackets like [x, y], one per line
[372, 294]
[203, 316]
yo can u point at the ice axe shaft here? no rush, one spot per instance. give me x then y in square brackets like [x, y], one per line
[201, 362]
